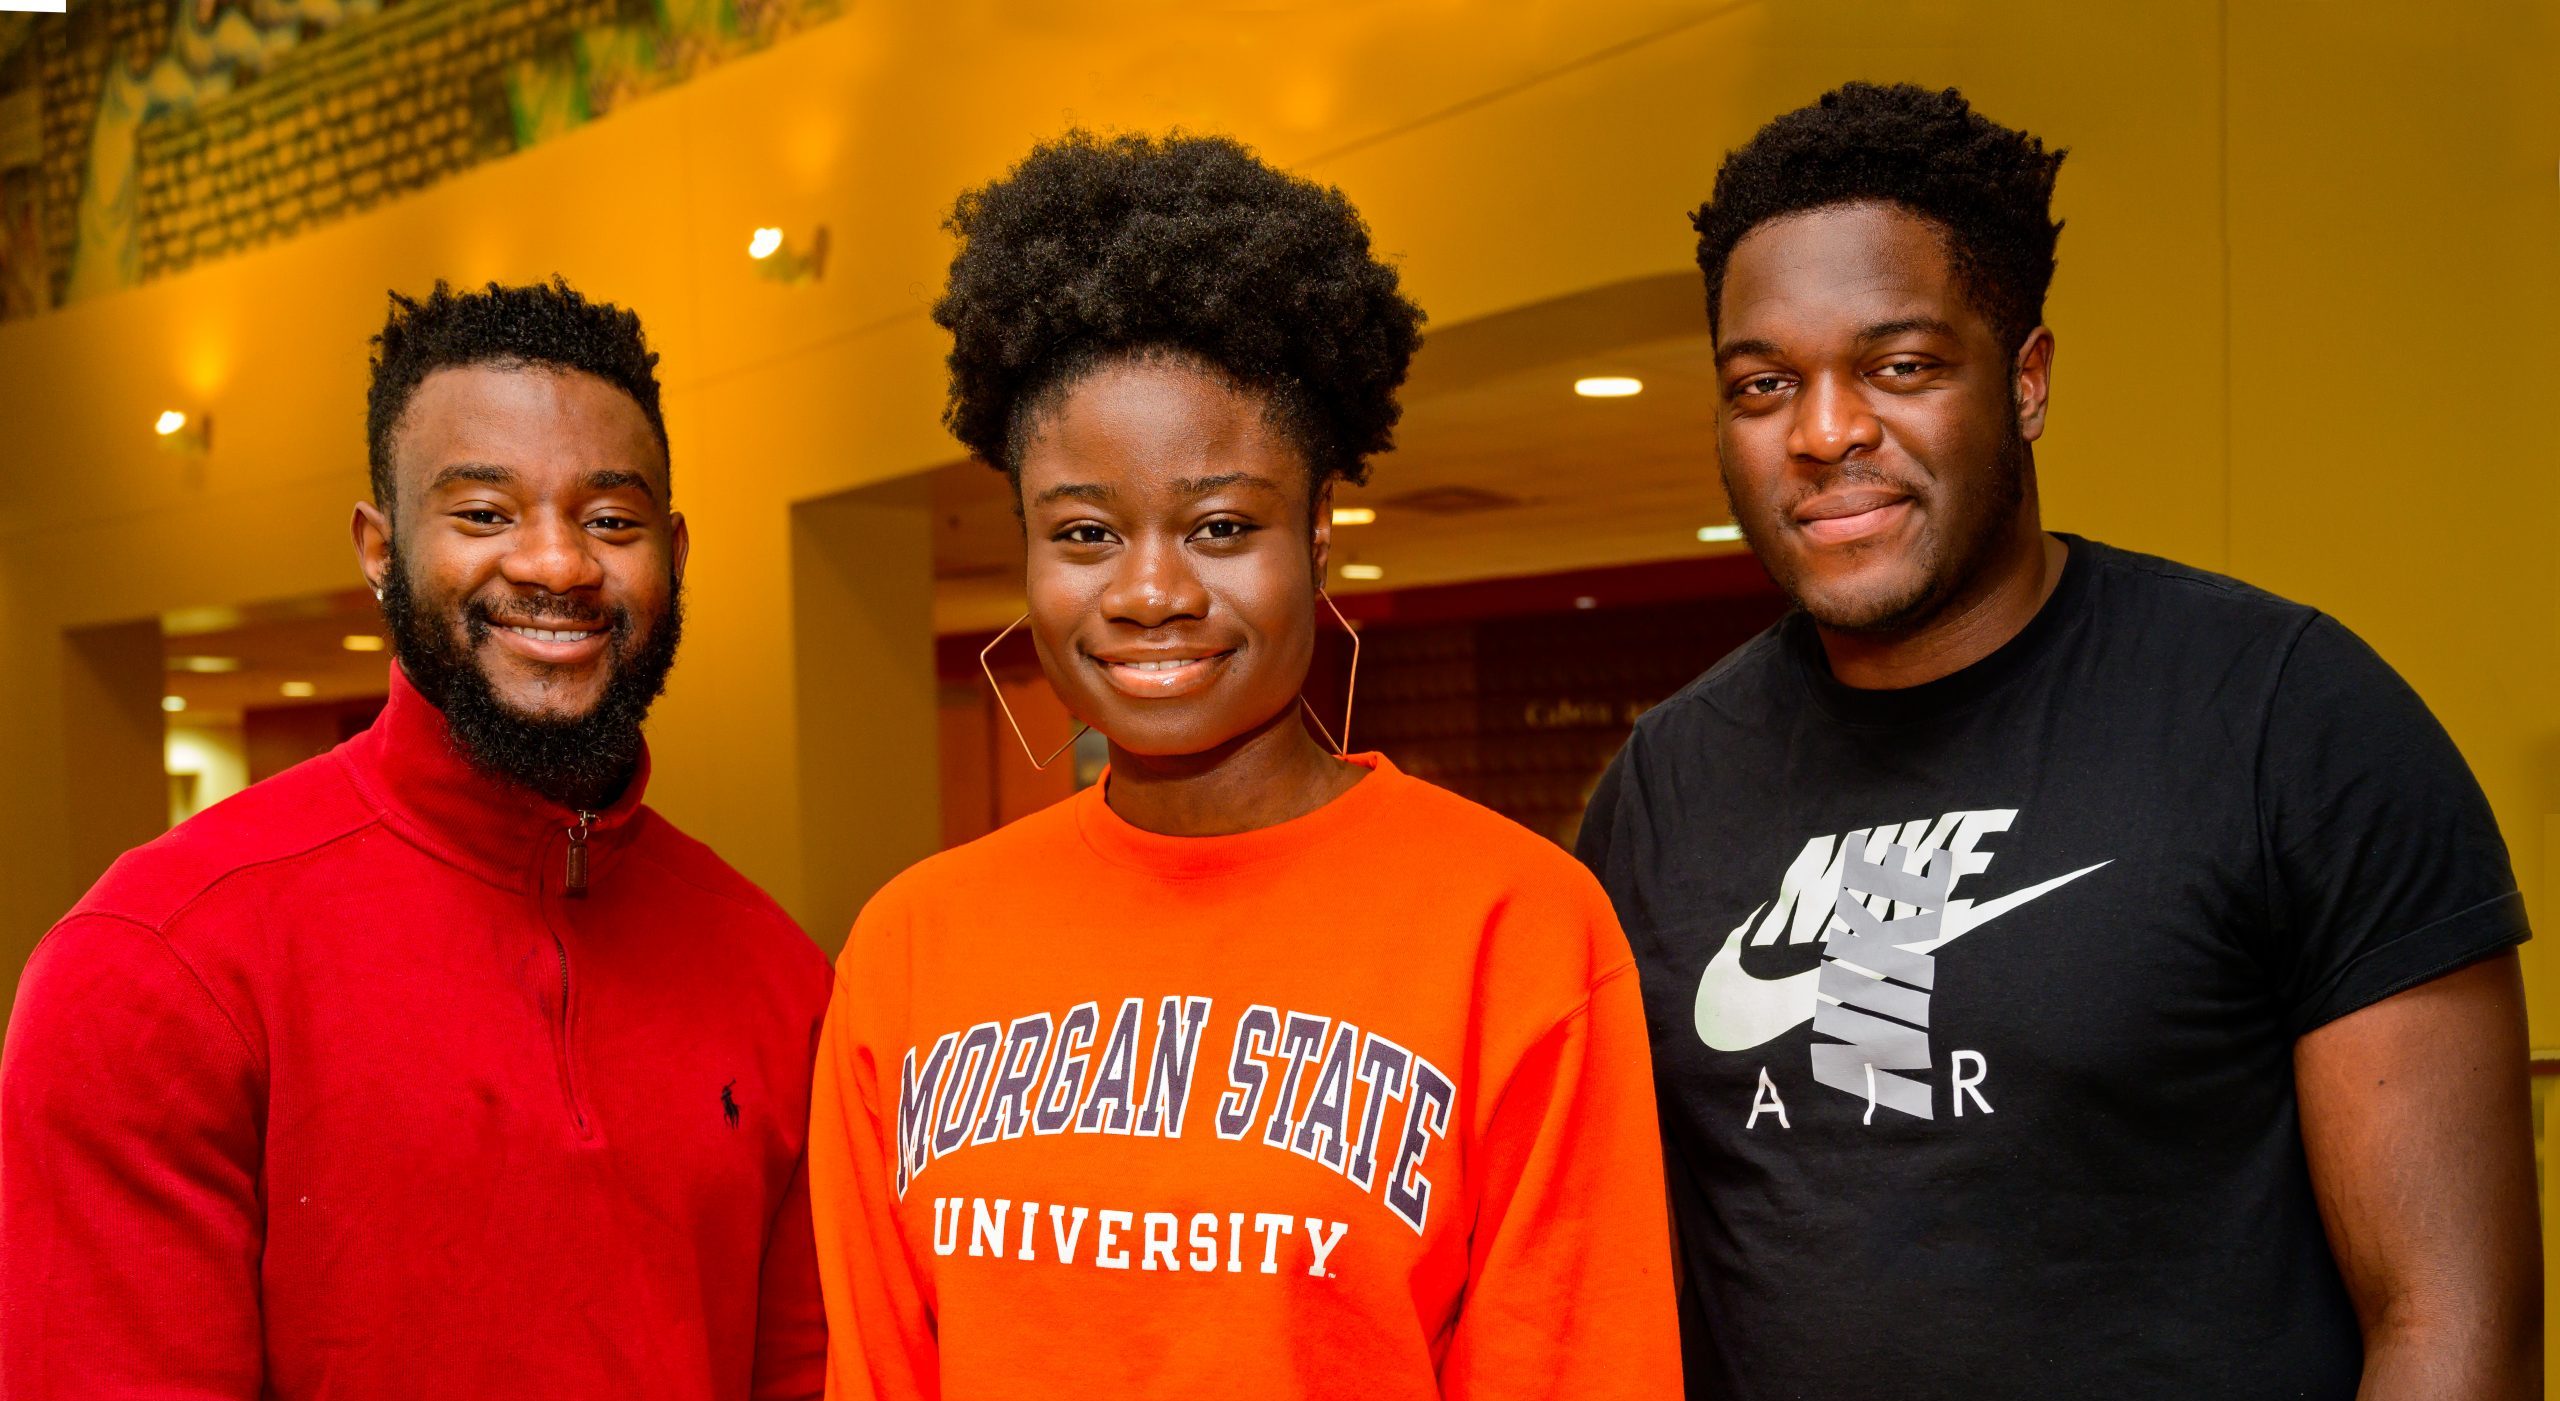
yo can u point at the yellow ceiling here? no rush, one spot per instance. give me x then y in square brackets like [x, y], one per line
[270, 644]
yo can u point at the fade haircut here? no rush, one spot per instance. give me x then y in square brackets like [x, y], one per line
[546, 324]
[1988, 189]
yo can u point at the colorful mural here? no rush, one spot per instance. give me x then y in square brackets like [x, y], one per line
[139, 137]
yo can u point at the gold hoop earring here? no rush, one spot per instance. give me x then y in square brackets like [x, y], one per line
[998, 692]
[1350, 692]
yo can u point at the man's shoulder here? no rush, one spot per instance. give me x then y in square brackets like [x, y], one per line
[2157, 626]
[760, 919]
[298, 815]
[2167, 618]
[1742, 686]
[2151, 583]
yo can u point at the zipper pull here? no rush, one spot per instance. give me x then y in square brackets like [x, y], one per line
[576, 886]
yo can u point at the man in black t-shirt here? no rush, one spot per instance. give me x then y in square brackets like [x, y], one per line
[2071, 974]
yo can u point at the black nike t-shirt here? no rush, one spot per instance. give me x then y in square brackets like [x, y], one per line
[1973, 1004]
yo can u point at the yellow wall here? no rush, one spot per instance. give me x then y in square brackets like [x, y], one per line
[214, 754]
[2309, 254]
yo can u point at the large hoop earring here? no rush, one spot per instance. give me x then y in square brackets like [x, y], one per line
[998, 692]
[1351, 692]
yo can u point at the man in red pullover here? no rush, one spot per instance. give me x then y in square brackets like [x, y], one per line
[438, 1065]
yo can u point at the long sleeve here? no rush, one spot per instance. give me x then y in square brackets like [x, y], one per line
[880, 1333]
[1569, 1292]
[130, 1219]
[791, 1323]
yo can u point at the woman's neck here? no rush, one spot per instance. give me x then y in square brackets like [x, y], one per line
[1259, 779]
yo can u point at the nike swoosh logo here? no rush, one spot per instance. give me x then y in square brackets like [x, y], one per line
[1963, 916]
[1736, 1011]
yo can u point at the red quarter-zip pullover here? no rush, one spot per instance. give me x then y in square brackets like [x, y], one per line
[337, 1090]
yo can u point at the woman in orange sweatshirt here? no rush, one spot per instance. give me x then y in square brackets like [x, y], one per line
[1254, 1070]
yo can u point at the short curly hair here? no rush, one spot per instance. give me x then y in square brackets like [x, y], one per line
[547, 324]
[1989, 188]
[1098, 248]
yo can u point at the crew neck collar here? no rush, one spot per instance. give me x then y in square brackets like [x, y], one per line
[1114, 839]
[409, 768]
[1934, 699]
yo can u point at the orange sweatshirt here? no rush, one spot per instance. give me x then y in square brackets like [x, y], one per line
[1354, 1106]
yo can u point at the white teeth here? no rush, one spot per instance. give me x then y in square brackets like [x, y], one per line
[547, 634]
[1159, 666]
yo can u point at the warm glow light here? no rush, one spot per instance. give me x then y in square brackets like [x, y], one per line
[765, 244]
[1719, 534]
[1607, 386]
[299, 690]
[361, 642]
[173, 704]
[1363, 571]
[1353, 515]
[1586, 602]
[205, 666]
[170, 422]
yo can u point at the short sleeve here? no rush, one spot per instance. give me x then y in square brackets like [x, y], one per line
[2387, 866]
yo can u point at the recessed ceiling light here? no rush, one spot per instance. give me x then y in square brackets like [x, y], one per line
[1719, 534]
[299, 690]
[361, 642]
[170, 422]
[765, 243]
[1353, 515]
[1608, 386]
[205, 666]
[1363, 571]
[185, 622]
[173, 704]
[1586, 602]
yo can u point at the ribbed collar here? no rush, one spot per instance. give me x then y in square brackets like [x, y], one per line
[1192, 858]
[411, 771]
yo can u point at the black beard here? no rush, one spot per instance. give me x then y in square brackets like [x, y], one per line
[580, 762]
[1963, 561]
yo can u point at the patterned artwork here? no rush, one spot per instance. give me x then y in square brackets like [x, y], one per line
[139, 137]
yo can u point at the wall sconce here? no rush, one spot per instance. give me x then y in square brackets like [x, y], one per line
[188, 435]
[788, 260]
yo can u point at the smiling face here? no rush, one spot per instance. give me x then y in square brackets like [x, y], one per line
[530, 566]
[1170, 567]
[1873, 430]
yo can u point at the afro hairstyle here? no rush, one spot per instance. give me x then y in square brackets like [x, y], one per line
[547, 324]
[1098, 248]
[1990, 189]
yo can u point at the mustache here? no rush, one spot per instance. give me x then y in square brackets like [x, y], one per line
[1856, 471]
[479, 615]
[575, 761]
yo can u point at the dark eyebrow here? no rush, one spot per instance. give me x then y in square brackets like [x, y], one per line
[1202, 486]
[1080, 491]
[491, 474]
[1735, 350]
[1883, 330]
[485, 473]
[617, 479]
